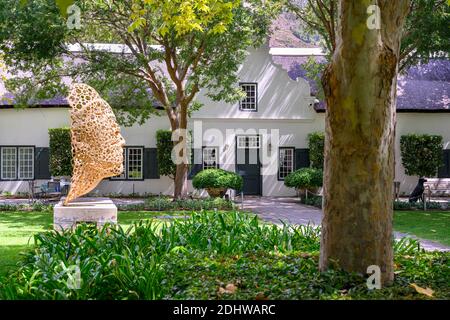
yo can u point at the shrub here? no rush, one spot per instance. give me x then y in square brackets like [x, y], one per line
[316, 143]
[304, 178]
[167, 204]
[217, 178]
[164, 146]
[421, 154]
[60, 152]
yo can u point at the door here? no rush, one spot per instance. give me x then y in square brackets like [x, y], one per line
[248, 163]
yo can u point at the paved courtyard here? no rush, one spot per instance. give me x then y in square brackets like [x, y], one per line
[290, 210]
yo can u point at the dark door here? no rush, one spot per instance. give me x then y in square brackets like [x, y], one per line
[248, 163]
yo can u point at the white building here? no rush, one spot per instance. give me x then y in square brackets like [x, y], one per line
[275, 104]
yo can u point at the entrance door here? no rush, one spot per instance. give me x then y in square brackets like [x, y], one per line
[248, 163]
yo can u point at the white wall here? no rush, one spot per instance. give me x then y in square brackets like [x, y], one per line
[418, 123]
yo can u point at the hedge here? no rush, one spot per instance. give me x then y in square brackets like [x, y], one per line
[421, 154]
[164, 146]
[60, 152]
[316, 143]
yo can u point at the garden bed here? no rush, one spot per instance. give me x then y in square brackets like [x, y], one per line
[209, 256]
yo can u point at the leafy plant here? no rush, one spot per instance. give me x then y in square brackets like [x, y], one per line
[60, 152]
[164, 146]
[217, 178]
[304, 178]
[421, 154]
[316, 143]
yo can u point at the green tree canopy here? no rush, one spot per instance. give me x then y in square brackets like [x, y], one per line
[171, 50]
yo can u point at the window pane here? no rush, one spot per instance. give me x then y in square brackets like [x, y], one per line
[210, 158]
[9, 163]
[285, 162]
[135, 163]
[26, 163]
[249, 102]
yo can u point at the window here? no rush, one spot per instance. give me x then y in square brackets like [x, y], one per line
[210, 155]
[285, 162]
[250, 102]
[133, 161]
[248, 142]
[17, 163]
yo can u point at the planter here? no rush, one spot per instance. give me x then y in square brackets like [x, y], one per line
[216, 192]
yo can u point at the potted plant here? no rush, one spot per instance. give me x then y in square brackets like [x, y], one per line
[217, 181]
[305, 179]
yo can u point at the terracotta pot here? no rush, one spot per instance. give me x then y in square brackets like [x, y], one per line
[216, 192]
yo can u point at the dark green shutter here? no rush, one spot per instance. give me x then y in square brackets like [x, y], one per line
[151, 164]
[197, 163]
[42, 163]
[301, 158]
[444, 171]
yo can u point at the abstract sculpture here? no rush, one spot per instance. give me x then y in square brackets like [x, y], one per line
[97, 145]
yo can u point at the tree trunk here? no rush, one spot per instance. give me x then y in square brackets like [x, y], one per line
[180, 189]
[360, 89]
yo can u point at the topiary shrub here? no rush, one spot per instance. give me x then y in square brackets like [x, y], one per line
[217, 181]
[316, 143]
[164, 146]
[60, 152]
[421, 154]
[305, 179]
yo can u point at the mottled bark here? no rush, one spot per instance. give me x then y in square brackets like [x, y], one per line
[360, 90]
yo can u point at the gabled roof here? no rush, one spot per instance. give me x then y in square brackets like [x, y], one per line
[423, 88]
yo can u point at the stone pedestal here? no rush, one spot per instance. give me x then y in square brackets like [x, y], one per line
[91, 210]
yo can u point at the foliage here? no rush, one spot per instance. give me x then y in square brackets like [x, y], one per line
[60, 152]
[426, 29]
[316, 143]
[164, 146]
[195, 258]
[36, 206]
[421, 154]
[196, 45]
[165, 203]
[304, 178]
[431, 205]
[312, 200]
[217, 178]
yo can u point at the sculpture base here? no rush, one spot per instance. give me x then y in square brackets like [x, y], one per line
[98, 211]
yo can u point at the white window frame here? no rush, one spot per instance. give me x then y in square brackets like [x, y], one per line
[249, 142]
[20, 167]
[282, 152]
[16, 164]
[207, 157]
[141, 177]
[251, 90]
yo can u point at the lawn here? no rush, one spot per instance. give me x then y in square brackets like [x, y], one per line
[431, 225]
[17, 230]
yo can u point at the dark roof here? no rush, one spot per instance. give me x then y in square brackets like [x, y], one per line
[423, 88]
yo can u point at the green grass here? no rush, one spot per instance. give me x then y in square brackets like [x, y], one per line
[18, 228]
[431, 225]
